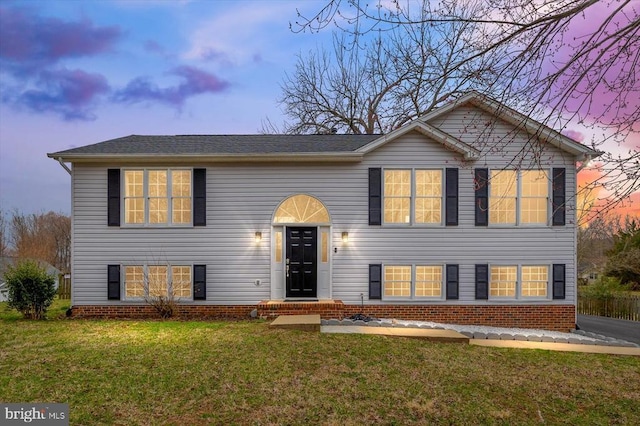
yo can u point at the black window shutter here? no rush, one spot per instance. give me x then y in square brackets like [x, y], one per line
[559, 196]
[452, 281]
[113, 282]
[199, 282]
[451, 194]
[199, 197]
[375, 196]
[482, 282]
[375, 281]
[481, 183]
[113, 197]
[559, 281]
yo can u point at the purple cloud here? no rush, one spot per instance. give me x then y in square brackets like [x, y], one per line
[29, 41]
[154, 47]
[70, 93]
[195, 82]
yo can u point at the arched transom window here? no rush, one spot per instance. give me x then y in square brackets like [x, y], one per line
[301, 209]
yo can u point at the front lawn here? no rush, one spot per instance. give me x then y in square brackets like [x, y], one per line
[189, 373]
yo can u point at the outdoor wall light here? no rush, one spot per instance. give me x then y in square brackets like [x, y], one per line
[258, 236]
[345, 237]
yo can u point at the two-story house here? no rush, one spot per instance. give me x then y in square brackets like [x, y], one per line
[465, 215]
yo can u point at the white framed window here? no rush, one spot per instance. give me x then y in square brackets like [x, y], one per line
[412, 281]
[397, 281]
[157, 197]
[519, 282]
[158, 280]
[412, 196]
[134, 282]
[518, 197]
[535, 281]
[428, 204]
[503, 281]
[428, 281]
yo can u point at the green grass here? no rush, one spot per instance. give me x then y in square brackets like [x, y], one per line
[190, 373]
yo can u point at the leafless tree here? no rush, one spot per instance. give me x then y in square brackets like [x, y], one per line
[561, 62]
[162, 290]
[595, 239]
[393, 77]
[45, 236]
[4, 239]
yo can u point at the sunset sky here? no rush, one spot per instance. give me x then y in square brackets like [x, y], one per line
[74, 73]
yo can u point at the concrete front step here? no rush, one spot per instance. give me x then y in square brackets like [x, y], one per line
[297, 322]
[436, 335]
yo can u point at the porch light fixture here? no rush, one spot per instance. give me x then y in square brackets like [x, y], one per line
[258, 237]
[345, 237]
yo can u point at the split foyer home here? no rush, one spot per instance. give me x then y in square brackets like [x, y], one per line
[465, 215]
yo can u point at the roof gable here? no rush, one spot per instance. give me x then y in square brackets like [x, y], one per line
[426, 129]
[516, 119]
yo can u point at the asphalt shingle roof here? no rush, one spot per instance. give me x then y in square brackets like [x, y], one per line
[223, 144]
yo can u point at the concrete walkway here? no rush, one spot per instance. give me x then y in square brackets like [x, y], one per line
[562, 347]
[449, 336]
[453, 336]
[490, 336]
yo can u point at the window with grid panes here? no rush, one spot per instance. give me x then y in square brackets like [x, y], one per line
[158, 196]
[412, 196]
[535, 281]
[397, 281]
[503, 280]
[518, 197]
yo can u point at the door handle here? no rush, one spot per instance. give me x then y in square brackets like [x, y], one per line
[287, 267]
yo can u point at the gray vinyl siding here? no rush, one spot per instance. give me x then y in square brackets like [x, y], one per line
[241, 199]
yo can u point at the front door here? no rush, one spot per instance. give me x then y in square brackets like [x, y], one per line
[301, 262]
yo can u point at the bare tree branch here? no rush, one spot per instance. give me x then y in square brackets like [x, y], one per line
[566, 63]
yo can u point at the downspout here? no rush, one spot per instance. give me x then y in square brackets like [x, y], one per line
[64, 165]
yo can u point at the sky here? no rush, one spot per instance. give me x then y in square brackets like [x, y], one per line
[80, 72]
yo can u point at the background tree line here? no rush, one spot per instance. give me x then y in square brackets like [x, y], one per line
[42, 236]
[610, 247]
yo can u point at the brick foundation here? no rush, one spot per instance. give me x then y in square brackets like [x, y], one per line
[146, 311]
[547, 317]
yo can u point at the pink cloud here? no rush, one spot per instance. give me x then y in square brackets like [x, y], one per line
[574, 134]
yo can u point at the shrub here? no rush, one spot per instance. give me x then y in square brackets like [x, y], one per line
[604, 288]
[165, 306]
[31, 289]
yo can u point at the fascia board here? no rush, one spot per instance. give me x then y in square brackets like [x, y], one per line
[336, 157]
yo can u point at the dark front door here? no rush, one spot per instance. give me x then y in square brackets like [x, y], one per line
[301, 262]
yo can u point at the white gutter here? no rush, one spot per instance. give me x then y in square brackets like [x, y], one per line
[64, 165]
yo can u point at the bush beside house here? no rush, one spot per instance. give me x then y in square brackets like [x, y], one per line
[31, 289]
